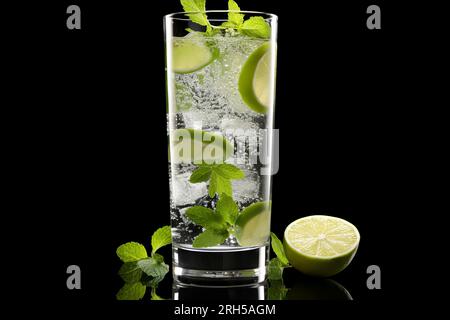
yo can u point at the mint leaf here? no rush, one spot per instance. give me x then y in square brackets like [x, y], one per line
[229, 171]
[161, 238]
[206, 218]
[234, 17]
[131, 251]
[227, 208]
[275, 269]
[277, 290]
[199, 7]
[223, 186]
[219, 185]
[154, 296]
[130, 272]
[131, 291]
[209, 238]
[228, 24]
[153, 267]
[212, 188]
[256, 27]
[202, 174]
[277, 247]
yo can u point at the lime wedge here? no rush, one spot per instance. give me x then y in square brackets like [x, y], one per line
[199, 147]
[254, 79]
[191, 54]
[320, 246]
[253, 224]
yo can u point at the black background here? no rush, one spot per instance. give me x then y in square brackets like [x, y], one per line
[100, 172]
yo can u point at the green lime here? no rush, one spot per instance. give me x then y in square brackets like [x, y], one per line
[255, 79]
[191, 54]
[319, 245]
[252, 226]
[199, 147]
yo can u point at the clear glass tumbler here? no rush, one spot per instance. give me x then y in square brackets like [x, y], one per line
[221, 98]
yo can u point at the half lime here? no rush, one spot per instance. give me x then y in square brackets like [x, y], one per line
[320, 245]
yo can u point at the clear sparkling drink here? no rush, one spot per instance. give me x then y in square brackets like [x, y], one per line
[220, 92]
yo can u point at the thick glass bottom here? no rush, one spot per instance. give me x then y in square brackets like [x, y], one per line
[220, 266]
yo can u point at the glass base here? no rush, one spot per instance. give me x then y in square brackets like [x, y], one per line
[219, 293]
[220, 267]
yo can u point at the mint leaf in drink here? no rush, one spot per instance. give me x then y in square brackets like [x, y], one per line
[255, 27]
[277, 247]
[205, 217]
[229, 171]
[201, 174]
[209, 238]
[228, 25]
[130, 272]
[131, 291]
[235, 18]
[161, 238]
[227, 208]
[212, 188]
[154, 267]
[131, 251]
[199, 17]
[219, 185]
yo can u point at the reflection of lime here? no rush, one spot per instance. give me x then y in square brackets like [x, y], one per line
[254, 79]
[198, 146]
[191, 54]
[253, 224]
[320, 245]
[307, 288]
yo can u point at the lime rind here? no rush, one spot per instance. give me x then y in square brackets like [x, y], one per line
[247, 81]
[252, 226]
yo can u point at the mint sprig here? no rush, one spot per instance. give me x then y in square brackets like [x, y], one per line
[255, 26]
[218, 223]
[234, 17]
[278, 264]
[161, 238]
[277, 290]
[278, 248]
[139, 270]
[219, 176]
[199, 17]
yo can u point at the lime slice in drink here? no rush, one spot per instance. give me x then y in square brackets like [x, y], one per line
[255, 78]
[191, 54]
[252, 226]
[320, 246]
[199, 147]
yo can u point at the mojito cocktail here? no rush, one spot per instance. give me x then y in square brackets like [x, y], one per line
[220, 92]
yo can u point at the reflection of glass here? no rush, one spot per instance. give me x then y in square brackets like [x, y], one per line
[216, 100]
[200, 293]
[306, 288]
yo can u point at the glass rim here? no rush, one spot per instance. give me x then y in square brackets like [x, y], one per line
[174, 15]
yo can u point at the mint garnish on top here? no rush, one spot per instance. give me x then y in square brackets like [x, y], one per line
[255, 26]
